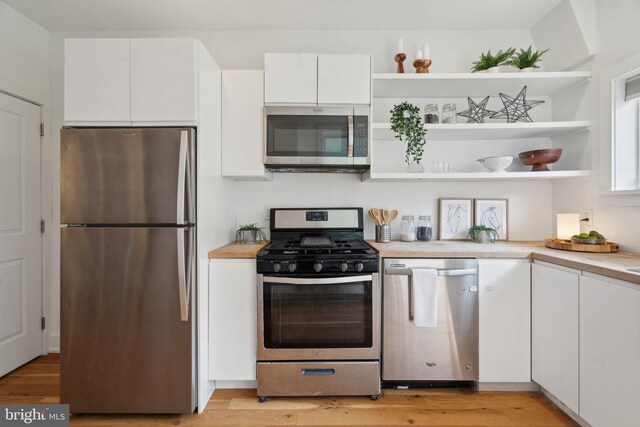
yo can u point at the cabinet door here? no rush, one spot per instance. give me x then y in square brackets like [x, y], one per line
[243, 125]
[290, 79]
[344, 79]
[232, 319]
[609, 351]
[96, 80]
[554, 331]
[505, 320]
[163, 80]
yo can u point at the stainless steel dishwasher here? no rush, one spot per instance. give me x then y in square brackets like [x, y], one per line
[424, 356]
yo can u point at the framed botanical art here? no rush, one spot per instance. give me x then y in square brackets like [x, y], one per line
[493, 213]
[456, 216]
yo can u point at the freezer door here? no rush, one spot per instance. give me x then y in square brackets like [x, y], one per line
[127, 176]
[126, 325]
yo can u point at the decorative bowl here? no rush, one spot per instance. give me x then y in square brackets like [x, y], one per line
[588, 242]
[539, 159]
[496, 163]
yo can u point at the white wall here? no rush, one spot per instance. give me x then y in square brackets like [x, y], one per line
[615, 217]
[24, 72]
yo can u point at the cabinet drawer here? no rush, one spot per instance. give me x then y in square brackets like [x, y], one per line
[318, 378]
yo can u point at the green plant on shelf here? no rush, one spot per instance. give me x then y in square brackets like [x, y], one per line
[482, 234]
[407, 125]
[526, 58]
[488, 60]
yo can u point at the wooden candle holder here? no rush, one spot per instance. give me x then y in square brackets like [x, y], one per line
[422, 66]
[399, 58]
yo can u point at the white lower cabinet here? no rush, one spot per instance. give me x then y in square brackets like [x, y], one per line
[554, 331]
[232, 319]
[609, 351]
[505, 320]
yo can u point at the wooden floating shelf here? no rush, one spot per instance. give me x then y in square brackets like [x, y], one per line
[473, 176]
[447, 85]
[490, 131]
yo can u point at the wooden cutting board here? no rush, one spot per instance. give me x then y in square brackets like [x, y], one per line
[607, 247]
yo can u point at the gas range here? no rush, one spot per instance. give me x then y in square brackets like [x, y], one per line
[309, 242]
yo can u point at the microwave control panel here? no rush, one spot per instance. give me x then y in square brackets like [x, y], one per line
[360, 136]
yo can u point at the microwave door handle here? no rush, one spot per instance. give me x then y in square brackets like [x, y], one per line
[350, 136]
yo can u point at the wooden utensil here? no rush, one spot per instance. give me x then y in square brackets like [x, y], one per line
[385, 216]
[373, 217]
[393, 215]
[377, 215]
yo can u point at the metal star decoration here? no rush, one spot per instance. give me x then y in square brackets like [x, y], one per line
[516, 109]
[476, 112]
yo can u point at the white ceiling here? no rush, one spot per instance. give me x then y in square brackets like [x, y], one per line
[320, 15]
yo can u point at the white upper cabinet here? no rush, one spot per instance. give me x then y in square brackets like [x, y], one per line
[291, 79]
[163, 80]
[309, 79]
[505, 320]
[96, 80]
[243, 125]
[132, 81]
[344, 79]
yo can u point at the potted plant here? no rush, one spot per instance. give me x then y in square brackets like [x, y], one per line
[482, 234]
[491, 63]
[249, 233]
[407, 125]
[526, 60]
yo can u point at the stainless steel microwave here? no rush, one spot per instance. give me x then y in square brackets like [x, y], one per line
[317, 139]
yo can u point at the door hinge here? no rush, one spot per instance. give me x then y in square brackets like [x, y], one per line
[43, 322]
[41, 129]
[43, 226]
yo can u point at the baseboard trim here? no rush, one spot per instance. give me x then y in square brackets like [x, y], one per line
[54, 343]
[498, 386]
[236, 384]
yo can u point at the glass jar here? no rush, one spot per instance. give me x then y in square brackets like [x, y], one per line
[449, 113]
[423, 229]
[431, 113]
[408, 229]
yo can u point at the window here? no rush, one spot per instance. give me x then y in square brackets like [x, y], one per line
[625, 171]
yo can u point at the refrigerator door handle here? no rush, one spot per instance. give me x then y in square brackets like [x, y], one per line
[182, 277]
[182, 176]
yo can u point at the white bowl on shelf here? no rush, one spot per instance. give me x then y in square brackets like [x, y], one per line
[496, 163]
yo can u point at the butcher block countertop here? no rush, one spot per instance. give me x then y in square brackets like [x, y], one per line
[614, 265]
[237, 250]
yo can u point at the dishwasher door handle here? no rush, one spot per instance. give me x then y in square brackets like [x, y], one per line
[407, 272]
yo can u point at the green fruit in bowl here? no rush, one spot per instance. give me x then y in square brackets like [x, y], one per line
[575, 236]
[583, 236]
[593, 238]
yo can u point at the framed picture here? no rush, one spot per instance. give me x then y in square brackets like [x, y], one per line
[493, 213]
[456, 216]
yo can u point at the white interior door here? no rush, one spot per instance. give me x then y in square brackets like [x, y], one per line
[20, 238]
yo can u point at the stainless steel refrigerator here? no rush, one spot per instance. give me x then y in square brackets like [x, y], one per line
[128, 271]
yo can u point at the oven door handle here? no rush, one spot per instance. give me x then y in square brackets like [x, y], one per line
[323, 281]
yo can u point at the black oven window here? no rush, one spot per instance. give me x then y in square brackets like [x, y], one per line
[318, 316]
[315, 136]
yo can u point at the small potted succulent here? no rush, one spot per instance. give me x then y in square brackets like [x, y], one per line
[491, 63]
[482, 234]
[407, 125]
[250, 233]
[526, 60]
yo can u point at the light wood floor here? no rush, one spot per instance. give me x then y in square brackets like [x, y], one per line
[38, 382]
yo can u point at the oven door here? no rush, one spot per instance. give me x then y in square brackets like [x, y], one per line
[335, 318]
[322, 136]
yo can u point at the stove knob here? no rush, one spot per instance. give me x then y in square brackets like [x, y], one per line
[292, 267]
[359, 267]
[276, 267]
[317, 267]
[344, 266]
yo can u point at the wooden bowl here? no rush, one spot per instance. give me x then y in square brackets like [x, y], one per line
[539, 159]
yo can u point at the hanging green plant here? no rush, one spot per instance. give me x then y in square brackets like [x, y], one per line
[406, 123]
[526, 58]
